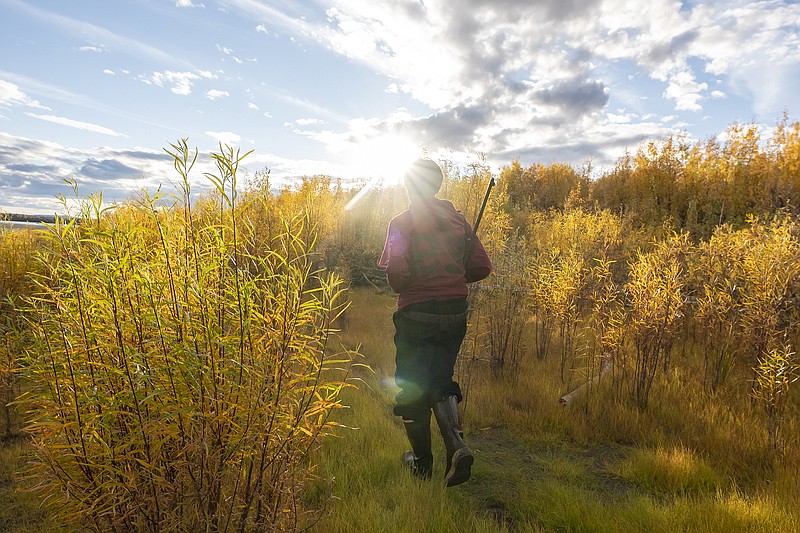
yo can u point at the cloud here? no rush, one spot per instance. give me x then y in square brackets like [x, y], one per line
[77, 124]
[228, 52]
[94, 49]
[12, 95]
[574, 96]
[505, 76]
[214, 94]
[109, 72]
[225, 137]
[106, 169]
[32, 187]
[686, 92]
[310, 106]
[181, 82]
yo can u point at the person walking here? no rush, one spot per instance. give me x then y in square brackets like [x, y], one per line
[429, 257]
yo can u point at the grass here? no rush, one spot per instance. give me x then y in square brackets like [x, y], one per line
[540, 467]
[20, 512]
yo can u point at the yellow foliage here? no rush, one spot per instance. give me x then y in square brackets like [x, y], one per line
[179, 380]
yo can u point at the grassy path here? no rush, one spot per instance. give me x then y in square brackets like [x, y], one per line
[524, 479]
[520, 483]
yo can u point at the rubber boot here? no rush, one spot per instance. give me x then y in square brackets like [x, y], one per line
[420, 458]
[459, 456]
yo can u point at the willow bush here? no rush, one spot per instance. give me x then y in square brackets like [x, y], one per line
[770, 278]
[503, 308]
[719, 313]
[775, 372]
[656, 291]
[180, 381]
[605, 325]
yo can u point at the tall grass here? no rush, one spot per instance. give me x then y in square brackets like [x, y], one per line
[179, 382]
[689, 462]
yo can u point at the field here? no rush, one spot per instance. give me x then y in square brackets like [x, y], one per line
[539, 466]
[544, 467]
[226, 363]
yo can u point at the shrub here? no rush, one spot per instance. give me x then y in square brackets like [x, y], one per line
[775, 372]
[180, 381]
[655, 288]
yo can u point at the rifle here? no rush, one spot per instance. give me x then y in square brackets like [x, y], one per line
[471, 238]
[483, 207]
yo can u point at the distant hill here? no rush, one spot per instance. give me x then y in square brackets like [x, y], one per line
[35, 219]
[19, 221]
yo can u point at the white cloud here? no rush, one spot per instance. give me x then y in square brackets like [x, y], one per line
[181, 82]
[308, 121]
[119, 173]
[77, 124]
[252, 106]
[686, 91]
[268, 114]
[229, 52]
[623, 118]
[225, 137]
[108, 71]
[95, 49]
[11, 95]
[214, 94]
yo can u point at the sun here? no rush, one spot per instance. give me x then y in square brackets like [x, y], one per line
[385, 158]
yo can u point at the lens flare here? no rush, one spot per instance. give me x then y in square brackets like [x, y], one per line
[383, 161]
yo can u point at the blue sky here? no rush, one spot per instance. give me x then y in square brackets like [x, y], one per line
[354, 88]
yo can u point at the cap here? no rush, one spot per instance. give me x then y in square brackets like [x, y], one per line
[423, 178]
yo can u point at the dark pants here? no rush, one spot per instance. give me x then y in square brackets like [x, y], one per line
[428, 336]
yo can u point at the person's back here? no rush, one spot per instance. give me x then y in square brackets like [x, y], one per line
[429, 257]
[428, 245]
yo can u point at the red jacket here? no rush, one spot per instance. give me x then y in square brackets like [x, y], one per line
[425, 255]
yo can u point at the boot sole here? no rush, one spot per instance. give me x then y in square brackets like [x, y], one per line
[460, 468]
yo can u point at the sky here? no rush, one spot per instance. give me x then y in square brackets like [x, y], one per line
[96, 90]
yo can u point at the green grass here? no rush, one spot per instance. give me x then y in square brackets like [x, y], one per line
[540, 467]
[20, 511]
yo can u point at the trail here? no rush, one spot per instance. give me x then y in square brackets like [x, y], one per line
[507, 469]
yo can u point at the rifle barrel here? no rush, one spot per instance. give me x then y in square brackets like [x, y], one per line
[483, 207]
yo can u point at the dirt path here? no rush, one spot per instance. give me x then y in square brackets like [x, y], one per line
[514, 480]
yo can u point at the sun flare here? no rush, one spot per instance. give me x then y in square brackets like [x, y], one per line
[386, 158]
[383, 161]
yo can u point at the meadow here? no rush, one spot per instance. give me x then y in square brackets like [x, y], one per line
[690, 462]
[226, 363]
